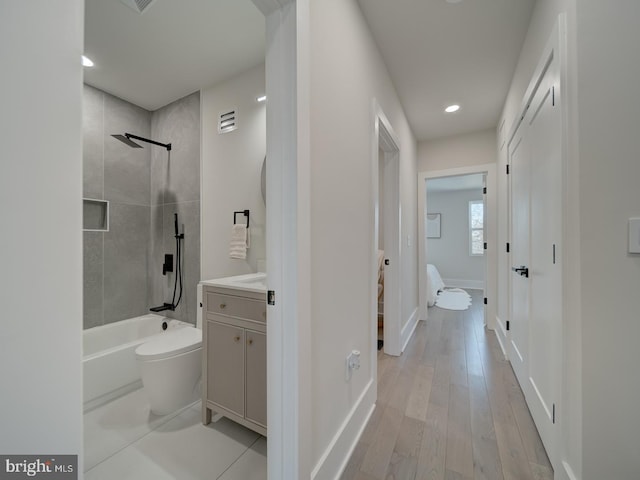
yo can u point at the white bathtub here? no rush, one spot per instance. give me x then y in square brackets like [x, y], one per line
[109, 363]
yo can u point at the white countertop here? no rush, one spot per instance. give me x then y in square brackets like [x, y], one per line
[252, 282]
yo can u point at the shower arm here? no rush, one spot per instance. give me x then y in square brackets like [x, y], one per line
[142, 139]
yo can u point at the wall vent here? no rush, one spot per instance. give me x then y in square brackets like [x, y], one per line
[227, 121]
[138, 6]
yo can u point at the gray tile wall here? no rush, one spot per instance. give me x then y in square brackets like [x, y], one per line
[123, 267]
[125, 262]
[93, 269]
[126, 169]
[175, 188]
[93, 143]
[115, 262]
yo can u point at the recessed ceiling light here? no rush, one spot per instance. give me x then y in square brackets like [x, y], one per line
[261, 98]
[86, 62]
[453, 1]
[452, 108]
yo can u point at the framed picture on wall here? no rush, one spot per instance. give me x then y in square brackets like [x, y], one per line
[433, 225]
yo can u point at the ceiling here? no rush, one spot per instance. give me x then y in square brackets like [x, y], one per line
[441, 53]
[172, 49]
[451, 184]
[437, 52]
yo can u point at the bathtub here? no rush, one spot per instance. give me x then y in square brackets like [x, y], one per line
[109, 362]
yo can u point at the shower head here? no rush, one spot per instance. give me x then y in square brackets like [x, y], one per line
[126, 139]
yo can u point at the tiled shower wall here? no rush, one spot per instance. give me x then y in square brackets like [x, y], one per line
[122, 267]
[175, 188]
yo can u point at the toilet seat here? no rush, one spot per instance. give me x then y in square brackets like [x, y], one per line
[170, 343]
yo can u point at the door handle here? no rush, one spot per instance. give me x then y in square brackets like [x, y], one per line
[522, 271]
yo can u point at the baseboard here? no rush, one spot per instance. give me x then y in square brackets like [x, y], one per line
[501, 334]
[567, 472]
[408, 329]
[335, 457]
[460, 283]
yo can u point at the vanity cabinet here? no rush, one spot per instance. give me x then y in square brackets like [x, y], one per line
[235, 356]
[256, 378]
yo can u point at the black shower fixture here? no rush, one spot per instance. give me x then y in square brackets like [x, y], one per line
[168, 262]
[126, 139]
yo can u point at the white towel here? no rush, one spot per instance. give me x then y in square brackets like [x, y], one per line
[238, 244]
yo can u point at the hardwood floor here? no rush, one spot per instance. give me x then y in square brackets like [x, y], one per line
[449, 408]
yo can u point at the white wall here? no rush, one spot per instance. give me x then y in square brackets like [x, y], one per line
[608, 103]
[477, 148]
[347, 74]
[40, 213]
[450, 252]
[231, 167]
[570, 417]
[380, 199]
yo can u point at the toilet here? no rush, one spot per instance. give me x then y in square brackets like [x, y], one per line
[171, 367]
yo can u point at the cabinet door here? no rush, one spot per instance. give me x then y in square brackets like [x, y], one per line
[225, 368]
[256, 377]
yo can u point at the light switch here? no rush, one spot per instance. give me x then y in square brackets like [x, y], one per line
[634, 235]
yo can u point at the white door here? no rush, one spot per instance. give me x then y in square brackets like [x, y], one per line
[545, 139]
[519, 165]
[535, 155]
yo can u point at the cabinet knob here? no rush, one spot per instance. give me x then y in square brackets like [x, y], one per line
[236, 339]
[223, 306]
[251, 341]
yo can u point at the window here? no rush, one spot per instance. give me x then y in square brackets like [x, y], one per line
[476, 226]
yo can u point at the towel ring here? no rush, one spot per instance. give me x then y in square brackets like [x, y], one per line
[241, 212]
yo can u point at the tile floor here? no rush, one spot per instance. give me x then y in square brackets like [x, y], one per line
[124, 440]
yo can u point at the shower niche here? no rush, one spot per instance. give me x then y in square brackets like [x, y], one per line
[95, 215]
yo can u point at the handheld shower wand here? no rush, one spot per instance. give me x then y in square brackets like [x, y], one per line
[178, 278]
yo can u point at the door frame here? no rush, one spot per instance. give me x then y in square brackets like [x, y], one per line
[489, 169]
[288, 238]
[385, 139]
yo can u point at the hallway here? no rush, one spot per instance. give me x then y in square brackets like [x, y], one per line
[449, 408]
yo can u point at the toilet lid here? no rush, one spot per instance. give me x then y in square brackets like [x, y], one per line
[170, 343]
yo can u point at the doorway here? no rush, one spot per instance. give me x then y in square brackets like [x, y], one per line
[386, 272]
[489, 244]
[455, 236]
